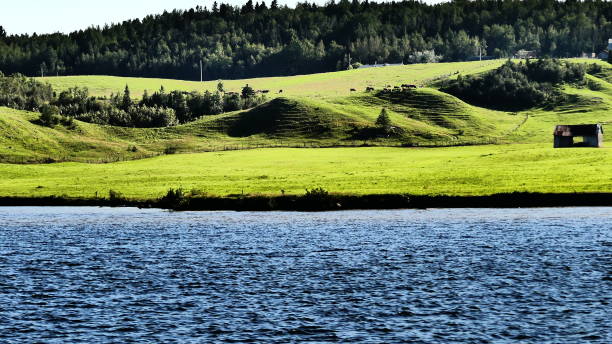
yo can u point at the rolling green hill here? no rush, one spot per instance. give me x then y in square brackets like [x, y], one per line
[316, 111]
[322, 85]
[308, 118]
[426, 117]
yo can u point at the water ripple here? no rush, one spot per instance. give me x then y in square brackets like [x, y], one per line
[71, 275]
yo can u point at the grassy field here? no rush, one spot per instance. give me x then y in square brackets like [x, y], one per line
[314, 111]
[322, 85]
[476, 170]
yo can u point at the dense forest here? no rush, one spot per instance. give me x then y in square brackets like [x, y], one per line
[265, 39]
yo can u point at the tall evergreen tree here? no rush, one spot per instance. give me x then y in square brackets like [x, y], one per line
[126, 101]
[383, 120]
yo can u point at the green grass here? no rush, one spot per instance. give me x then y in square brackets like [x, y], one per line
[316, 110]
[322, 85]
[427, 116]
[474, 170]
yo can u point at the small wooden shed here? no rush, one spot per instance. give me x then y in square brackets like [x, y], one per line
[592, 135]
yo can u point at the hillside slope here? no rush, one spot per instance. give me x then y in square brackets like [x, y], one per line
[322, 85]
[424, 117]
[311, 118]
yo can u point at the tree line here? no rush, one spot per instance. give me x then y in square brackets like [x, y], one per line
[258, 39]
[161, 109]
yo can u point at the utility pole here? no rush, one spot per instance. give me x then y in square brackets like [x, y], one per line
[201, 72]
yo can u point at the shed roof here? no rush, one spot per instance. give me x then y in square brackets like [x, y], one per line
[578, 130]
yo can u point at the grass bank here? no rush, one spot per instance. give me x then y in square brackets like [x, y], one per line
[328, 202]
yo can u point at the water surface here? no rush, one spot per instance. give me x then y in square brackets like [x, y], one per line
[425, 276]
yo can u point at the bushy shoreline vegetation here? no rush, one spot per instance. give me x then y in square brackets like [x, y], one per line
[265, 39]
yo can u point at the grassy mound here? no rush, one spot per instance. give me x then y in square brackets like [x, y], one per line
[283, 117]
[430, 106]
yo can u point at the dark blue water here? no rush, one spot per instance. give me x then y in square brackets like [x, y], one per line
[437, 276]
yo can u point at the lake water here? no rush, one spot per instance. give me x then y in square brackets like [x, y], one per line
[94, 275]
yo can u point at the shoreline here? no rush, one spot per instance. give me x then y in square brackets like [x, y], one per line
[328, 202]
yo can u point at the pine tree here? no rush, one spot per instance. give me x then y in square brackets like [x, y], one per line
[383, 119]
[126, 101]
[248, 7]
[248, 92]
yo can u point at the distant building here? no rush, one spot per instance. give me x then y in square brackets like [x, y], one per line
[380, 65]
[588, 55]
[592, 135]
[526, 54]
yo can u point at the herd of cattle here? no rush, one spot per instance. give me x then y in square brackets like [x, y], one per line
[389, 88]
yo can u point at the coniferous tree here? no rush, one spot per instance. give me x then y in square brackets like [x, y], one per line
[383, 120]
[248, 92]
[126, 101]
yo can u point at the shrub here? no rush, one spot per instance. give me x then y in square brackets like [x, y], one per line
[116, 197]
[174, 199]
[317, 193]
[23, 93]
[170, 150]
[318, 199]
[49, 115]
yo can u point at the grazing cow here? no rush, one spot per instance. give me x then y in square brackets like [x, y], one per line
[369, 89]
[280, 91]
[265, 91]
[353, 90]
